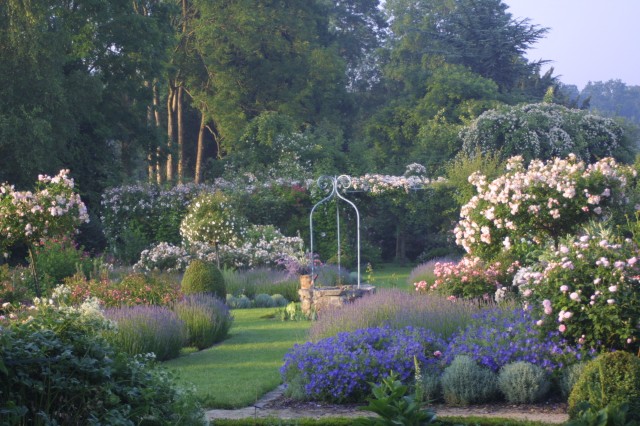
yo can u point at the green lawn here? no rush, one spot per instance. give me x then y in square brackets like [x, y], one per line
[238, 371]
[390, 275]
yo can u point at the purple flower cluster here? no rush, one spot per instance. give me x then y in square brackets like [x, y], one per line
[340, 368]
[498, 337]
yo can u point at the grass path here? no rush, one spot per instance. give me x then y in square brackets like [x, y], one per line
[238, 371]
[389, 275]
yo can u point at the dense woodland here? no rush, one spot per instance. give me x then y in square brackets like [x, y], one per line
[175, 91]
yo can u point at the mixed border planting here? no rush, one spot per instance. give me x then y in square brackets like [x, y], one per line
[546, 287]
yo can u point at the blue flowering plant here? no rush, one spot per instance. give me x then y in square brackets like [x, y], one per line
[501, 336]
[341, 368]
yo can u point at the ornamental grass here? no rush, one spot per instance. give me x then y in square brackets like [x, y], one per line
[144, 329]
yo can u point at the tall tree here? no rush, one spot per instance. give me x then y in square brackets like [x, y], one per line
[478, 34]
[267, 56]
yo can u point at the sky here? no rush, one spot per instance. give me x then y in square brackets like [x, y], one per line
[588, 40]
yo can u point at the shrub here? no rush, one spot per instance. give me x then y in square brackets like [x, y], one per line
[425, 272]
[569, 377]
[523, 383]
[213, 220]
[57, 259]
[202, 277]
[588, 289]
[84, 380]
[207, 319]
[529, 207]
[263, 301]
[503, 335]
[279, 300]
[12, 288]
[163, 257]
[611, 378]
[240, 302]
[340, 368]
[398, 309]
[261, 280]
[611, 415]
[464, 382]
[145, 329]
[470, 278]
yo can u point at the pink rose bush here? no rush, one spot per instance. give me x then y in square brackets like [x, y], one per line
[469, 278]
[529, 207]
[589, 290]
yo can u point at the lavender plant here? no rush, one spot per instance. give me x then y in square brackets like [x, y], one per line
[206, 317]
[397, 309]
[340, 368]
[147, 329]
[261, 280]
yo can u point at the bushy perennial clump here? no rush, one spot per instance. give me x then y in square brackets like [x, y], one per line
[133, 289]
[588, 290]
[398, 309]
[146, 329]
[240, 302]
[340, 368]
[501, 336]
[523, 383]
[465, 382]
[206, 317]
[86, 380]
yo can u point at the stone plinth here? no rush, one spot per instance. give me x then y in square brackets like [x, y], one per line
[317, 299]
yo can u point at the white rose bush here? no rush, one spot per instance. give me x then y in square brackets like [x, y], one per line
[529, 207]
[52, 209]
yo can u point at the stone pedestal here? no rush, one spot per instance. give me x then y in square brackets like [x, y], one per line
[317, 299]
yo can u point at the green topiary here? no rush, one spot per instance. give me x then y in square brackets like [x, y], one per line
[523, 383]
[202, 277]
[610, 379]
[464, 382]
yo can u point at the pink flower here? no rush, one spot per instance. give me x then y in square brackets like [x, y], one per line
[539, 323]
[564, 288]
[437, 354]
[611, 301]
[562, 328]
[574, 296]
[629, 340]
[613, 288]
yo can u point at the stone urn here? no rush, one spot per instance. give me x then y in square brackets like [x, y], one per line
[306, 282]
